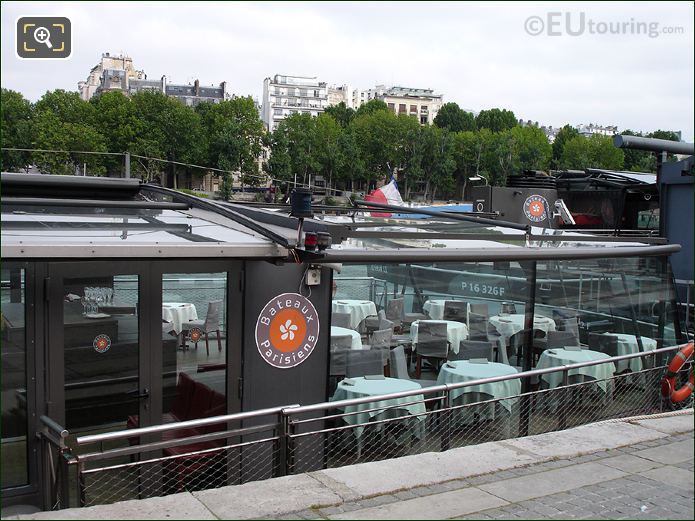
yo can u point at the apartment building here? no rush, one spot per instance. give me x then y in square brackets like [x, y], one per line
[284, 95]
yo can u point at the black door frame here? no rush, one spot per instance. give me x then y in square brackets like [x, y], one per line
[29, 493]
[57, 272]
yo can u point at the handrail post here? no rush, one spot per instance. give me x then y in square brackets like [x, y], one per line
[565, 394]
[284, 441]
[447, 421]
[82, 493]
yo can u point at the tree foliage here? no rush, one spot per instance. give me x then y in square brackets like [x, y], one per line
[16, 114]
[596, 151]
[496, 120]
[454, 118]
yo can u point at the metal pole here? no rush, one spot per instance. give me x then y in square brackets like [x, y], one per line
[127, 165]
[565, 395]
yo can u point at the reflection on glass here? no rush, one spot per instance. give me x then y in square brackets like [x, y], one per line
[194, 345]
[14, 395]
[101, 353]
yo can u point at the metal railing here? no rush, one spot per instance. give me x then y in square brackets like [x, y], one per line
[237, 448]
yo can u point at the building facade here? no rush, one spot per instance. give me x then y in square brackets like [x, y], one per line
[424, 104]
[284, 95]
[117, 73]
[338, 94]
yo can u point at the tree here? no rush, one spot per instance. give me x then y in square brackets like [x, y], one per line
[454, 119]
[597, 151]
[171, 127]
[53, 134]
[352, 165]
[235, 136]
[466, 152]
[279, 164]
[116, 119]
[328, 152]
[341, 113]
[15, 114]
[530, 149]
[372, 106]
[68, 107]
[496, 120]
[436, 160]
[301, 144]
[563, 136]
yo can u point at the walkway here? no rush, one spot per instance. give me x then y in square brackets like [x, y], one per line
[628, 469]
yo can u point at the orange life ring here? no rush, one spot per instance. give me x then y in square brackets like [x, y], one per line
[668, 384]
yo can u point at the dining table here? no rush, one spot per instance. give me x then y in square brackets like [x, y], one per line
[357, 309]
[354, 335]
[455, 332]
[435, 308]
[557, 357]
[178, 313]
[627, 344]
[510, 324]
[365, 386]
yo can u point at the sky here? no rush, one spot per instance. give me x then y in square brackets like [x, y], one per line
[628, 64]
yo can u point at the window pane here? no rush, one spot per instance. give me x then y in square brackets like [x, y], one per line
[14, 378]
[194, 344]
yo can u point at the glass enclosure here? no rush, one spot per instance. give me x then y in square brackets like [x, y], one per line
[509, 312]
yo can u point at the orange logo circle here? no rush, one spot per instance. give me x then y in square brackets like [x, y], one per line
[287, 330]
[536, 208]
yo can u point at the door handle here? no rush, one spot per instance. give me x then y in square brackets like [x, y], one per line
[140, 395]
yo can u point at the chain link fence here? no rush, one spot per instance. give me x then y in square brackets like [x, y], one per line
[195, 455]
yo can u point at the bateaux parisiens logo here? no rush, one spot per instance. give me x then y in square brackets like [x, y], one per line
[536, 208]
[287, 330]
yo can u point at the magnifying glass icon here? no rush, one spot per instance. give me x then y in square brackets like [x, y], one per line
[43, 35]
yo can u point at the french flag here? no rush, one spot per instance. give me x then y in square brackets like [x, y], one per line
[387, 194]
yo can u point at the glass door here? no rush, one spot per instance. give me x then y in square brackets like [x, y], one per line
[97, 355]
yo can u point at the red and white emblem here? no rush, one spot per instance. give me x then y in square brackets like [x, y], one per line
[536, 208]
[196, 334]
[102, 343]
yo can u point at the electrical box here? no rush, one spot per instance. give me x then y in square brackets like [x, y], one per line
[313, 277]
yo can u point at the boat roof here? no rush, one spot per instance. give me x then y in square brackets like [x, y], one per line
[85, 217]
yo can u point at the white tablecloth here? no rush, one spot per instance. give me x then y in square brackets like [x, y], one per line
[455, 332]
[357, 309]
[465, 371]
[435, 308]
[178, 313]
[342, 331]
[507, 325]
[558, 357]
[362, 388]
[627, 344]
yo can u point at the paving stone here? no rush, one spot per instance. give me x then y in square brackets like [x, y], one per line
[628, 463]
[672, 476]
[440, 506]
[668, 454]
[672, 424]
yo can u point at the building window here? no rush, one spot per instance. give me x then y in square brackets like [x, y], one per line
[401, 108]
[277, 112]
[424, 108]
[413, 108]
[392, 106]
[423, 120]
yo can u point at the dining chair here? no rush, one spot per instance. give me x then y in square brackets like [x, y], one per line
[399, 367]
[361, 362]
[340, 320]
[195, 329]
[604, 343]
[378, 322]
[456, 310]
[340, 345]
[381, 340]
[394, 311]
[478, 327]
[432, 343]
[474, 349]
[480, 308]
[570, 324]
[552, 340]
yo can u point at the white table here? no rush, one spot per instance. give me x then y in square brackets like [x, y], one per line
[455, 332]
[508, 325]
[557, 357]
[357, 309]
[435, 308]
[465, 371]
[362, 388]
[343, 331]
[178, 313]
[627, 344]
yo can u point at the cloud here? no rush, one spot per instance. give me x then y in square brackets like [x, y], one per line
[478, 55]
